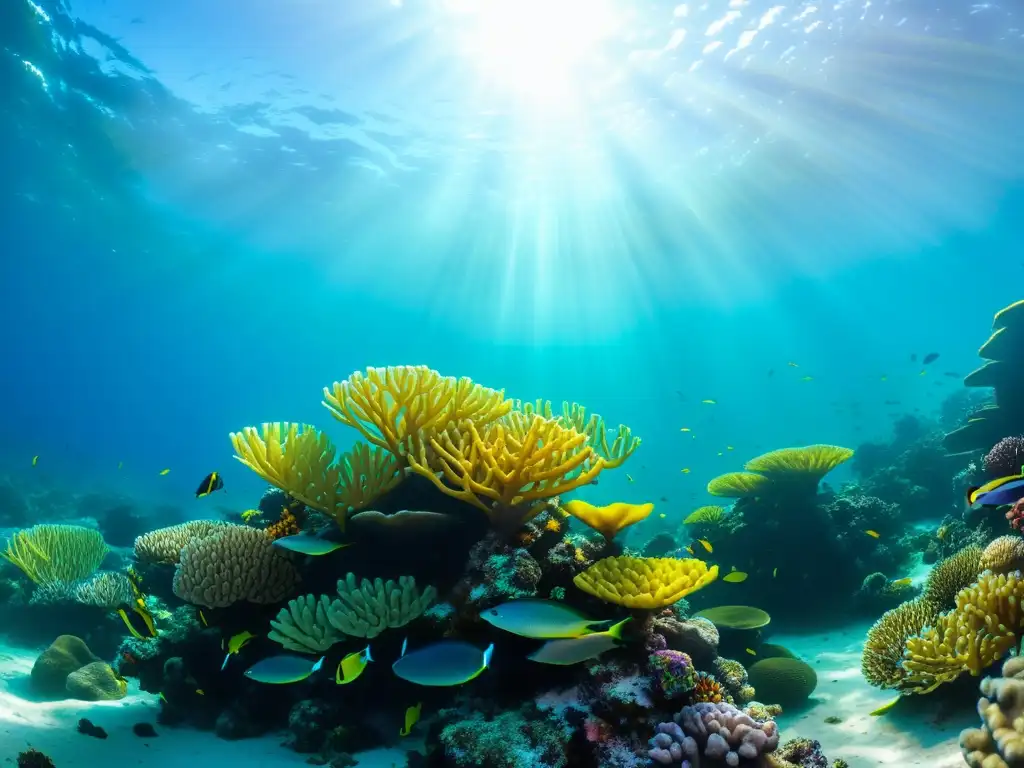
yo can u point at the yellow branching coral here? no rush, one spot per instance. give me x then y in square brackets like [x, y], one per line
[645, 582]
[812, 462]
[390, 405]
[881, 659]
[949, 576]
[297, 459]
[610, 520]
[739, 485]
[575, 416]
[508, 468]
[365, 474]
[981, 629]
[50, 554]
[708, 515]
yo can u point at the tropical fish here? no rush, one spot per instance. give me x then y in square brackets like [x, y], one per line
[164, 471]
[662, 515]
[685, 429]
[751, 651]
[885, 707]
[885, 378]
[807, 378]
[352, 666]
[952, 374]
[202, 617]
[412, 716]
[120, 464]
[791, 364]
[706, 544]
[729, 448]
[233, 645]
[35, 460]
[200, 691]
[442, 664]
[629, 477]
[138, 619]
[212, 482]
[775, 572]
[282, 670]
[685, 470]
[540, 619]
[906, 581]
[872, 534]
[709, 402]
[736, 577]
[689, 549]
[996, 493]
[931, 357]
[305, 544]
[579, 649]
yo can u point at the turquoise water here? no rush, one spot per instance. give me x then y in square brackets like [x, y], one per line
[211, 211]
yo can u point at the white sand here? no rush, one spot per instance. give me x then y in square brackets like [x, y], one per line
[51, 727]
[919, 732]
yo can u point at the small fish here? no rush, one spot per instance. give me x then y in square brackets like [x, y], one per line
[212, 482]
[729, 448]
[629, 477]
[164, 471]
[662, 515]
[120, 464]
[685, 470]
[709, 401]
[35, 460]
[579, 649]
[951, 374]
[996, 493]
[775, 572]
[305, 544]
[931, 357]
[443, 664]
[202, 617]
[138, 619]
[720, 453]
[282, 670]
[249, 514]
[872, 534]
[807, 378]
[791, 364]
[412, 716]
[233, 645]
[923, 372]
[352, 666]
[885, 378]
[885, 707]
[906, 581]
[689, 549]
[736, 577]
[162, 697]
[751, 651]
[706, 544]
[685, 429]
[540, 619]
[200, 691]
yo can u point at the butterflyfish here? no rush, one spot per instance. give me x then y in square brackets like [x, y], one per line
[164, 471]
[872, 534]
[233, 645]
[540, 619]
[904, 582]
[996, 493]
[138, 619]
[412, 716]
[352, 666]
[305, 544]
[443, 664]
[706, 544]
[736, 577]
[212, 482]
[576, 650]
[282, 670]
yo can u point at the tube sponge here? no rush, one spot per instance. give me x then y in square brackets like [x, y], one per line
[50, 554]
[303, 626]
[367, 608]
[163, 546]
[714, 731]
[234, 565]
[645, 582]
[999, 743]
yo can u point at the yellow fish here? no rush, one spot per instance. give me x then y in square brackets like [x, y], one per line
[751, 651]
[685, 470]
[629, 477]
[685, 429]
[904, 582]
[736, 577]
[352, 666]
[872, 534]
[807, 378]
[729, 448]
[200, 691]
[164, 471]
[234, 645]
[35, 460]
[709, 401]
[720, 453]
[689, 549]
[885, 707]
[775, 572]
[706, 544]
[412, 716]
[662, 515]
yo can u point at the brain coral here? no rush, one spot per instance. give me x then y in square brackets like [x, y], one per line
[164, 545]
[233, 565]
[783, 681]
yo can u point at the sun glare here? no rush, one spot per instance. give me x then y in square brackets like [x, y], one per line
[538, 48]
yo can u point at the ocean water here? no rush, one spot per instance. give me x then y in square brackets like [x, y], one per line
[211, 210]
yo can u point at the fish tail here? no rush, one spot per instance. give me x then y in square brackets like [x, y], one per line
[616, 630]
[227, 658]
[405, 646]
[369, 657]
[127, 622]
[487, 655]
[316, 667]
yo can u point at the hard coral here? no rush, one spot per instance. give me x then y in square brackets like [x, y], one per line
[645, 582]
[713, 731]
[1005, 458]
[1003, 555]
[999, 743]
[673, 672]
[709, 690]
[881, 659]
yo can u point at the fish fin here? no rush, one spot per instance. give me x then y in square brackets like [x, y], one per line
[487, 655]
[369, 656]
[227, 658]
[405, 646]
[316, 667]
[127, 622]
[616, 630]
[403, 732]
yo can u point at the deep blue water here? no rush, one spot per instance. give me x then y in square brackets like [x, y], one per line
[209, 215]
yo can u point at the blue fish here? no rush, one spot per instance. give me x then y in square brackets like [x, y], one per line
[282, 670]
[996, 493]
[305, 544]
[443, 664]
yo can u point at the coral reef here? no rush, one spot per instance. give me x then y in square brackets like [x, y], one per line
[1005, 458]
[713, 731]
[999, 743]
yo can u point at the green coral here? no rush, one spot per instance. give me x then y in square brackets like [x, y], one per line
[50, 554]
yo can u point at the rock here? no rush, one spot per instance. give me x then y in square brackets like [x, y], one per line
[696, 637]
[65, 655]
[96, 682]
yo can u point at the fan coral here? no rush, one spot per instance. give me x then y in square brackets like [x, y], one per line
[610, 520]
[713, 731]
[708, 689]
[673, 672]
[1003, 555]
[163, 546]
[645, 582]
[881, 660]
[107, 589]
[50, 554]
[951, 575]
[1005, 458]
[999, 743]
[236, 564]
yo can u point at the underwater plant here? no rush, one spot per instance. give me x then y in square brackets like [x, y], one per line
[50, 554]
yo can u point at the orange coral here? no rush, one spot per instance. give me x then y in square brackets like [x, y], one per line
[709, 689]
[287, 525]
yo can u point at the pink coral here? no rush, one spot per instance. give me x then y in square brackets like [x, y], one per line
[1005, 458]
[1015, 515]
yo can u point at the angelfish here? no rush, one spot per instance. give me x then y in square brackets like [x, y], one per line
[212, 482]
[352, 666]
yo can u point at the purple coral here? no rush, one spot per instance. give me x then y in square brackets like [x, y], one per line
[673, 672]
[715, 731]
[1005, 458]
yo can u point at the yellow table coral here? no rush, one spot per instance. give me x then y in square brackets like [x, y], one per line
[811, 462]
[608, 520]
[645, 582]
[739, 485]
